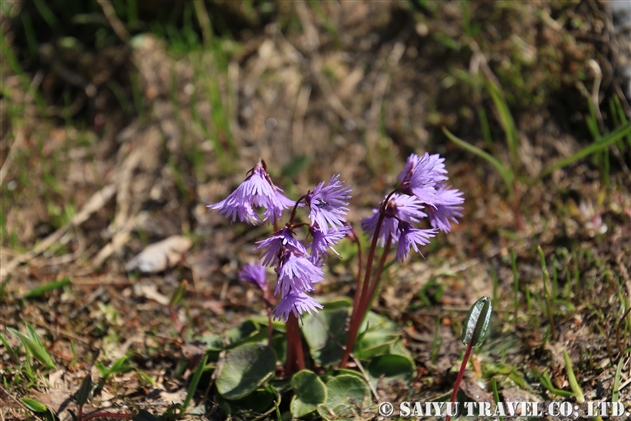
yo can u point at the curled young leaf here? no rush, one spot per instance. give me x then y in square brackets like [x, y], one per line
[477, 322]
[84, 391]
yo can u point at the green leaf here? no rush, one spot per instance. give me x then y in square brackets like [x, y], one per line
[604, 143]
[346, 396]
[246, 367]
[296, 165]
[145, 377]
[309, 392]
[377, 335]
[178, 294]
[118, 366]
[260, 401]
[83, 393]
[325, 333]
[194, 381]
[102, 369]
[506, 119]
[36, 292]
[506, 174]
[33, 405]
[243, 332]
[390, 368]
[576, 388]
[34, 345]
[476, 324]
[10, 350]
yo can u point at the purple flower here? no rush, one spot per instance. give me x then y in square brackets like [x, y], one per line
[420, 175]
[257, 190]
[389, 227]
[412, 237]
[446, 207]
[232, 209]
[297, 273]
[282, 239]
[328, 204]
[399, 208]
[325, 239]
[297, 302]
[254, 273]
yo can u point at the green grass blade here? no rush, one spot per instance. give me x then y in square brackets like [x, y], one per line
[33, 405]
[545, 381]
[486, 129]
[505, 173]
[506, 119]
[608, 140]
[616, 381]
[496, 395]
[10, 350]
[194, 381]
[578, 393]
[36, 292]
[35, 346]
[46, 13]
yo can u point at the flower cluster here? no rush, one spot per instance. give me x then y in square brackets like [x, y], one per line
[298, 266]
[422, 194]
[257, 191]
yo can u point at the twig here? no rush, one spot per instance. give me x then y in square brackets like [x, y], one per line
[115, 22]
[204, 21]
[96, 202]
[19, 137]
[6, 392]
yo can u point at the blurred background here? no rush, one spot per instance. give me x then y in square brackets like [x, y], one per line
[313, 88]
[120, 120]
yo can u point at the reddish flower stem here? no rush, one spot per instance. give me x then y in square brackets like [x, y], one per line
[293, 212]
[463, 366]
[360, 264]
[375, 281]
[355, 318]
[105, 415]
[177, 324]
[295, 357]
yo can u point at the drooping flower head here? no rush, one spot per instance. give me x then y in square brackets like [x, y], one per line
[282, 240]
[254, 273]
[256, 191]
[399, 208]
[297, 302]
[421, 175]
[446, 208]
[327, 205]
[412, 237]
[324, 240]
[296, 273]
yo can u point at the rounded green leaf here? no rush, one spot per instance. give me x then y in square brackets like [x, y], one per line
[376, 335]
[258, 402]
[324, 333]
[309, 392]
[347, 395]
[477, 322]
[246, 367]
[389, 368]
